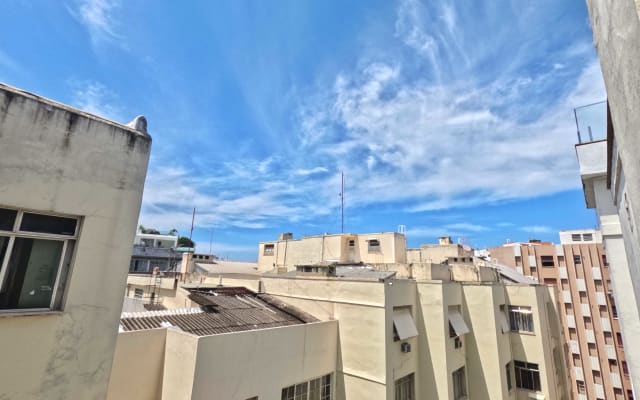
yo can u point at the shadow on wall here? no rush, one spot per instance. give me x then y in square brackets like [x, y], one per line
[426, 373]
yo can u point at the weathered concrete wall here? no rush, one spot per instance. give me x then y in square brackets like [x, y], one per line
[56, 159]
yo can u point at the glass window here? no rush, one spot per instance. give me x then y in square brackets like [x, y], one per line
[521, 319]
[577, 259]
[374, 245]
[527, 375]
[268, 249]
[48, 224]
[7, 219]
[459, 384]
[315, 389]
[405, 388]
[507, 368]
[547, 261]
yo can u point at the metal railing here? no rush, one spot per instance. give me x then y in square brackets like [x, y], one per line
[591, 122]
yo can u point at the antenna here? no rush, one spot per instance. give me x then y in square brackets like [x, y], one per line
[193, 219]
[342, 201]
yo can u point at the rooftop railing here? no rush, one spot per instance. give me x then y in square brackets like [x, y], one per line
[591, 122]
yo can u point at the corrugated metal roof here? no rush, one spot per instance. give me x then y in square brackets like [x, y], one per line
[226, 310]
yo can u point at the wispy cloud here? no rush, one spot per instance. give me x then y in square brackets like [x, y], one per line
[456, 229]
[96, 98]
[537, 229]
[99, 18]
[316, 170]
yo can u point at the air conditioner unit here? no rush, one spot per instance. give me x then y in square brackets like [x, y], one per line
[405, 347]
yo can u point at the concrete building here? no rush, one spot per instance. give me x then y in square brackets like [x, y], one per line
[69, 200]
[609, 168]
[578, 268]
[376, 337]
[438, 253]
[286, 253]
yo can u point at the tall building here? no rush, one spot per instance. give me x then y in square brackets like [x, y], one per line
[70, 194]
[609, 168]
[579, 269]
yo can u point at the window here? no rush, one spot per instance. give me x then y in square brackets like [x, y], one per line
[629, 394]
[625, 368]
[619, 338]
[614, 310]
[315, 389]
[604, 261]
[352, 243]
[35, 255]
[587, 237]
[507, 369]
[403, 325]
[374, 245]
[521, 319]
[138, 293]
[459, 384]
[527, 375]
[547, 261]
[405, 388]
[577, 260]
[581, 387]
[456, 321]
[576, 237]
[253, 398]
[268, 249]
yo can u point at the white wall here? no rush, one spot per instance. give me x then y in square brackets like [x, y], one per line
[57, 160]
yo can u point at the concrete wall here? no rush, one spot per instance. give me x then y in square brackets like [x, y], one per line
[56, 159]
[138, 365]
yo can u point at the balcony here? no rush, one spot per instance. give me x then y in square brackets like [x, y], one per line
[602, 298]
[563, 273]
[591, 337]
[611, 351]
[615, 380]
[591, 122]
[571, 321]
[582, 286]
[606, 324]
[586, 310]
[575, 347]
[597, 274]
[595, 363]
[578, 373]
[599, 391]
[566, 296]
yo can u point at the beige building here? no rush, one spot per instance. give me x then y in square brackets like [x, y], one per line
[287, 254]
[69, 201]
[438, 253]
[609, 168]
[376, 337]
[579, 269]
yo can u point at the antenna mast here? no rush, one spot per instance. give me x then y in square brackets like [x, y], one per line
[193, 219]
[342, 201]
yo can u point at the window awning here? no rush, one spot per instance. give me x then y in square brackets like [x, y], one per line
[504, 322]
[403, 321]
[457, 322]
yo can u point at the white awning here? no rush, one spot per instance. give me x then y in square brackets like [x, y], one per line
[403, 321]
[457, 322]
[504, 322]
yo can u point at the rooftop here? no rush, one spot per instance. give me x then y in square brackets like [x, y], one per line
[222, 310]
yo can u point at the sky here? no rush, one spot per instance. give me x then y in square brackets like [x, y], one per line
[447, 117]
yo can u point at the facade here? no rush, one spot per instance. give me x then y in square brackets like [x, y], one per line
[69, 201]
[286, 253]
[376, 337]
[438, 253]
[609, 168]
[580, 271]
[151, 251]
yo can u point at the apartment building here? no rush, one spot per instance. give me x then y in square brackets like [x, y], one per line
[69, 201]
[287, 253]
[579, 270]
[375, 336]
[151, 251]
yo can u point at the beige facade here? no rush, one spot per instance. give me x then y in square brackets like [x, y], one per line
[70, 197]
[609, 168]
[579, 270]
[438, 253]
[439, 338]
[287, 253]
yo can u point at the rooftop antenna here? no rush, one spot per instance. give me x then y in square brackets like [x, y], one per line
[342, 201]
[193, 219]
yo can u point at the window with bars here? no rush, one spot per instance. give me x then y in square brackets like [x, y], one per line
[35, 258]
[315, 389]
[521, 319]
[527, 375]
[459, 384]
[405, 388]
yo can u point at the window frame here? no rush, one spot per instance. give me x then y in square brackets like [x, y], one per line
[301, 391]
[528, 370]
[405, 387]
[65, 263]
[269, 249]
[459, 382]
[517, 316]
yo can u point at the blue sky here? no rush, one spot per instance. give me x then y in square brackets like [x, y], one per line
[448, 117]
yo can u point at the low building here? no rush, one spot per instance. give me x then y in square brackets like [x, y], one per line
[438, 253]
[286, 253]
[579, 271]
[69, 200]
[464, 332]
[152, 251]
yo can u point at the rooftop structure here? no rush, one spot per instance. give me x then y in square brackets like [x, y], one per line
[69, 200]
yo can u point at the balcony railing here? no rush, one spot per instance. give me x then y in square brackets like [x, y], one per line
[591, 122]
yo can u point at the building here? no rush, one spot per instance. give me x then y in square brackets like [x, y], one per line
[377, 336]
[286, 253]
[69, 200]
[579, 269]
[151, 251]
[608, 160]
[438, 253]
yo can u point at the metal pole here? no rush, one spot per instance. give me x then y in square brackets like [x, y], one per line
[193, 219]
[342, 201]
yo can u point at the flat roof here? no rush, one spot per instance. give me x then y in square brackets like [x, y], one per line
[332, 234]
[222, 310]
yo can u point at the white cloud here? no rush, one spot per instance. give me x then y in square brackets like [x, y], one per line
[316, 170]
[96, 98]
[98, 16]
[537, 229]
